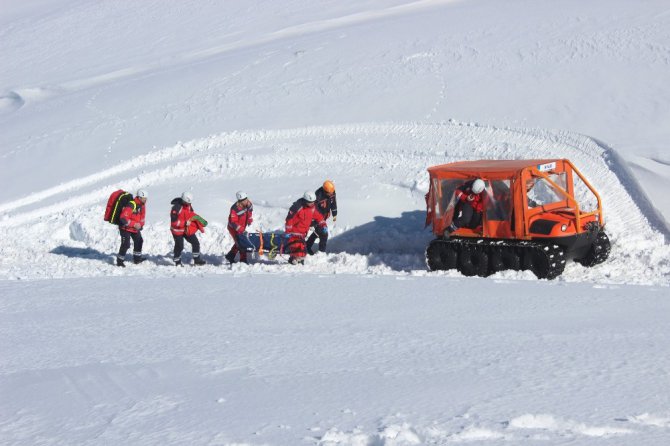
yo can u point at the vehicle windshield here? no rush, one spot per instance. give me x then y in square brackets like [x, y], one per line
[541, 192]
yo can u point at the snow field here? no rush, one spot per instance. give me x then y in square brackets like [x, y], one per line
[366, 360]
[361, 346]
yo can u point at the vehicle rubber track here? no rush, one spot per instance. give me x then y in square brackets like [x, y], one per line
[477, 257]
[599, 251]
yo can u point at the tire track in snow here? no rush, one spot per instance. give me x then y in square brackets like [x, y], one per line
[533, 140]
[189, 149]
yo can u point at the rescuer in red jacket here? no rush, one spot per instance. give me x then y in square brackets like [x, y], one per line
[183, 226]
[241, 216]
[298, 221]
[131, 222]
[470, 201]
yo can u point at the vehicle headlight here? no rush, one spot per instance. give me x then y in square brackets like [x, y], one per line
[564, 228]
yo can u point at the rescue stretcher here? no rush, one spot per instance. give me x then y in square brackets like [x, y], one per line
[267, 243]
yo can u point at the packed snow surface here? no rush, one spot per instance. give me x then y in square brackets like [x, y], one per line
[362, 345]
[363, 360]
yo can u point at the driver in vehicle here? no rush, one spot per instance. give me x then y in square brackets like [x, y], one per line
[470, 198]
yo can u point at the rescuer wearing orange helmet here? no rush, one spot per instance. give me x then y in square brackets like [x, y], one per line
[326, 204]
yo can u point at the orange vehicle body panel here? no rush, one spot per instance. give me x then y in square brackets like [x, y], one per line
[518, 173]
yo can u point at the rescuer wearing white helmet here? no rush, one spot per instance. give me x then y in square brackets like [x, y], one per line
[478, 186]
[184, 225]
[240, 216]
[131, 223]
[300, 217]
[471, 198]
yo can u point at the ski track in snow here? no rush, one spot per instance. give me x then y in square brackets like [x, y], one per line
[378, 155]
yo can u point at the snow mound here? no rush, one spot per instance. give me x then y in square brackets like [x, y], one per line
[392, 435]
[553, 424]
[10, 102]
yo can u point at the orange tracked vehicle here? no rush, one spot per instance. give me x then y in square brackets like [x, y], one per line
[537, 214]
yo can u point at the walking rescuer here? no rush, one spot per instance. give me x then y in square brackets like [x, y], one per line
[326, 203]
[298, 221]
[131, 222]
[241, 215]
[184, 224]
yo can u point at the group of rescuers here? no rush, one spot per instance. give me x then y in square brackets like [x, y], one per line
[310, 211]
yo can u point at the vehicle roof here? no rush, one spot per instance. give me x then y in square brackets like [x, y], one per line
[491, 167]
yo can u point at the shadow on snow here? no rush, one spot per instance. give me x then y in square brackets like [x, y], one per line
[110, 258]
[398, 243]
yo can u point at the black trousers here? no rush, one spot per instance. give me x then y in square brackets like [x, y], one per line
[467, 217]
[125, 243]
[179, 245]
[322, 235]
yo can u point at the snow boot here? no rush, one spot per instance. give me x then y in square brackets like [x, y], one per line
[230, 257]
[120, 262]
[178, 262]
[138, 259]
[296, 260]
[198, 261]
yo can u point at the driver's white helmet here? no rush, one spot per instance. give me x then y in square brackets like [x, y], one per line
[478, 185]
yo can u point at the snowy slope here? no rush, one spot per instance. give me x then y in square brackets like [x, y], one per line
[361, 346]
[92, 85]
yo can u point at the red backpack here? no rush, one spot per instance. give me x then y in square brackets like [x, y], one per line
[117, 200]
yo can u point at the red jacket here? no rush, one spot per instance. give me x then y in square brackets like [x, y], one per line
[132, 213]
[240, 217]
[477, 201]
[300, 216]
[180, 214]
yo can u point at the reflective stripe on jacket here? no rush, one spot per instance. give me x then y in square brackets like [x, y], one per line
[133, 212]
[181, 212]
[326, 204]
[240, 217]
[300, 216]
[465, 194]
